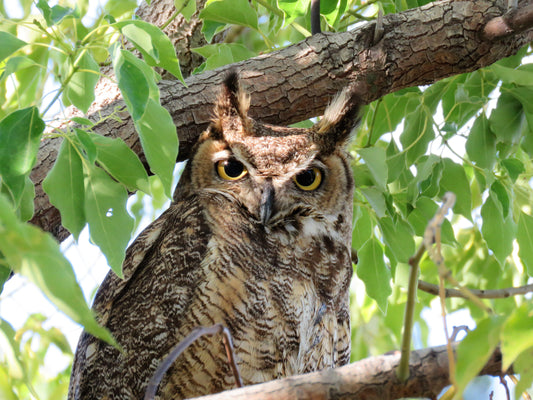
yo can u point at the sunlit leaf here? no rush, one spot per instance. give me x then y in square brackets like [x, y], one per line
[185, 7]
[10, 44]
[110, 225]
[475, 350]
[417, 134]
[80, 88]
[155, 46]
[160, 141]
[481, 143]
[20, 135]
[36, 255]
[65, 188]
[454, 180]
[362, 228]
[398, 236]
[524, 237]
[121, 162]
[371, 269]
[498, 232]
[238, 12]
[516, 335]
[375, 158]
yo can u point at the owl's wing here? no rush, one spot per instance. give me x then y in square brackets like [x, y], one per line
[112, 285]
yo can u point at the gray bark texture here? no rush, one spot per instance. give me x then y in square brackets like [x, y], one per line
[416, 47]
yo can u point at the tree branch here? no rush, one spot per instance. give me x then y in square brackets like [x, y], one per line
[370, 379]
[482, 294]
[418, 47]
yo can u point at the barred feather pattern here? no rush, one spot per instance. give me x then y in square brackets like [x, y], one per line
[280, 286]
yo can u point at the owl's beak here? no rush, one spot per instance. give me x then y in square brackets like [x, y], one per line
[267, 202]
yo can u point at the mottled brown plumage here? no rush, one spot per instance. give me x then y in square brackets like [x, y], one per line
[259, 254]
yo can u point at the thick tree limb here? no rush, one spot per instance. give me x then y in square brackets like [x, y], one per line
[418, 47]
[369, 379]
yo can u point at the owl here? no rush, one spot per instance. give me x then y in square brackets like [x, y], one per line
[257, 238]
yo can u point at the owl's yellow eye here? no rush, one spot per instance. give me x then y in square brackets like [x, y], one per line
[231, 170]
[309, 179]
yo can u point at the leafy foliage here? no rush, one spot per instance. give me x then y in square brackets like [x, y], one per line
[470, 134]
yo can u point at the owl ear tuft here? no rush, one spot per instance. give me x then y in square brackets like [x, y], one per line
[232, 100]
[340, 118]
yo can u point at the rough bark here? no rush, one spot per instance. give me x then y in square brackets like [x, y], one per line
[418, 47]
[369, 379]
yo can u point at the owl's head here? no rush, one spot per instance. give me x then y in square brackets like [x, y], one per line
[267, 174]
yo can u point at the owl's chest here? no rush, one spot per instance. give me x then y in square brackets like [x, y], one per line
[282, 304]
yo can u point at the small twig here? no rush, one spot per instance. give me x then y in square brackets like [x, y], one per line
[480, 293]
[457, 330]
[432, 235]
[167, 362]
[516, 20]
[432, 232]
[378, 30]
[503, 382]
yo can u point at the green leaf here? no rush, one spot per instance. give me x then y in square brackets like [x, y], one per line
[518, 76]
[481, 144]
[501, 193]
[5, 274]
[516, 335]
[422, 213]
[514, 167]
[376, 199]
[160, 142]
[524, 237]
[523, 366]
[155, 46]
[362, 227]
[220, 54]
[507, 119]
[498, 232]
[118, 8]
[417, 134]
[121, 162]
[398, 237]
[375, 158]
[16, 64]
[475, 350]
[185, 7]
[132, 82]
[87, 144]
[80, 88]
[371, 269]
[36, 255]
[293, 9]
[65, 188]
[20, 136]
[454, 180]
[10, 44]
[26, 206]
[391, 109]
[238, 12]
[110, 225]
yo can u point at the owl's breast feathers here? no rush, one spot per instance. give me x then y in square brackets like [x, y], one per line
[283, 296]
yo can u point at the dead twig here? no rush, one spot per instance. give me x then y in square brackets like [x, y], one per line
[480, 293]
[514, 21]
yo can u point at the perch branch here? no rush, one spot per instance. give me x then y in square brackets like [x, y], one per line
[373, 378]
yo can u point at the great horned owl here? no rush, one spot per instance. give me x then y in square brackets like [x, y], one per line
[257, 238]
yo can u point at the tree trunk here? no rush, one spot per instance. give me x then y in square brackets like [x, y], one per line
[417, 47]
